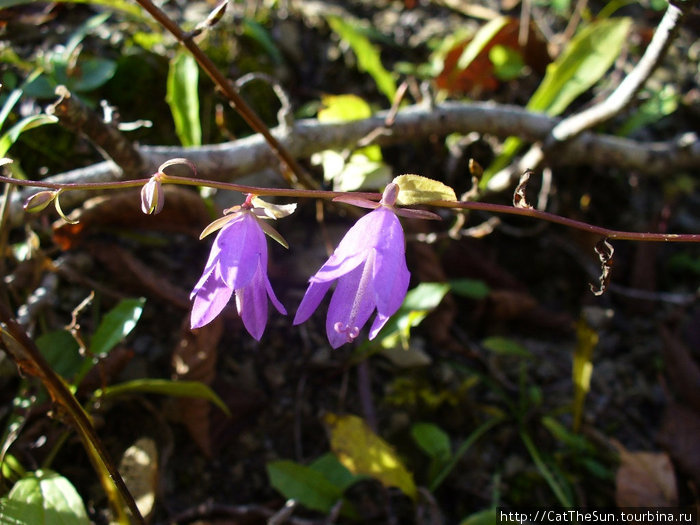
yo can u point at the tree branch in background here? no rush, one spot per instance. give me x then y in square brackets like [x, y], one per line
[575, 124]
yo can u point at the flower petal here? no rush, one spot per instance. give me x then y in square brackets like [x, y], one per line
[271, 294]
[240, 243]
[312, 298]
[209, 299]
[251, 301]
[350, 306]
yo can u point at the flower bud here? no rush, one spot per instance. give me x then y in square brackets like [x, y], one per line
[152, 196]
[39, 201]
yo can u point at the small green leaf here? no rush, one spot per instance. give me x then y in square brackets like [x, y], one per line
[94, 72]
[432, 440]
[183, 98]
[116, 325]
[471, 288]
[425, 296]
[261, 35]
[416, 189]
[43, 498]
[61, 350]
[303, 484]
[507, 62]
[343, 108]
[505, 346]
[166, 387]
[334, 471]
[368, 59]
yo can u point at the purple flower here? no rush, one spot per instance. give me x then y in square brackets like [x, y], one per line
[370, 267]
[237, 263]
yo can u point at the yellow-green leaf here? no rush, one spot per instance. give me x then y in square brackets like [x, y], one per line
[587, 339]
[341, 108]
[361, 451]
[415, 189]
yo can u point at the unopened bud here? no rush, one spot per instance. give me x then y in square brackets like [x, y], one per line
[39, 201]
[152, 197]
[391, 193]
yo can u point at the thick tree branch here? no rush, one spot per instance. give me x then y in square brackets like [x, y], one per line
[231, 160]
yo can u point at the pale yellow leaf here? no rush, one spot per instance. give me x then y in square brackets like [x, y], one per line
[415, 189]
[362, 452]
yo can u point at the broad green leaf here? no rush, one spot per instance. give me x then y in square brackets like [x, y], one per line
[416, 189]
[481, 39]
[303, 484]
[582, 371]
[472, 288]
[43, 498]
[363, 452]
[166, 387]
[10, 136]
[584, 61]
[432, 440]
[334, 471]
[183, 98]
[505, 346]
[116, 325]
[94, 72]
[368, 59]
[61, 350]
[425, 296]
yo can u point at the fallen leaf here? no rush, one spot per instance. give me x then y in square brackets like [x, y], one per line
[363, 452]
[139, 469]
[645, 479]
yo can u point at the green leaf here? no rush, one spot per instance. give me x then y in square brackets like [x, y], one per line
[94, 72]
[368, 59]
[662, 102]
[121, 5]
[116, 325]
[343, 108]
[303, 484]
[258, 33]
[582, 370]
[61, 350]
[482, 37]
[507, 62]
[471, 288]
[334, 471]
[505, 346]
[167, 387]
[27, 123]
[416, 189]
[432, 440]
[584, 61]
[43, 498]
[416, 306]
[183, 98]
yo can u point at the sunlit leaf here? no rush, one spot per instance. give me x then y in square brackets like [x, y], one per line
[183, 98]
[165, 387]
[61, 351]
[334, 471]
[139, 469]
[343, 108]
[416, 189]
[363, 452]
[116, 325]
[482, 37]
[10, 136]
[43, 498]
[368, 59]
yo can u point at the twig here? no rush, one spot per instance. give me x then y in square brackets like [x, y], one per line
[296, 173]
[231, 160]
[574, 125]
[76, 116]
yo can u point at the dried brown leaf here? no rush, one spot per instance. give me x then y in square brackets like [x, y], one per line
[645, 479]
[139, 469]
[605, 253]
[519, 197]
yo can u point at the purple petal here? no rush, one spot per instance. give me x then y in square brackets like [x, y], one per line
[239, 244]
[312, 298]
[335, 267]
[209, 299]
[271, 294]
[350, 306]
[364, 234]
[391, 276]
[251, 301]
